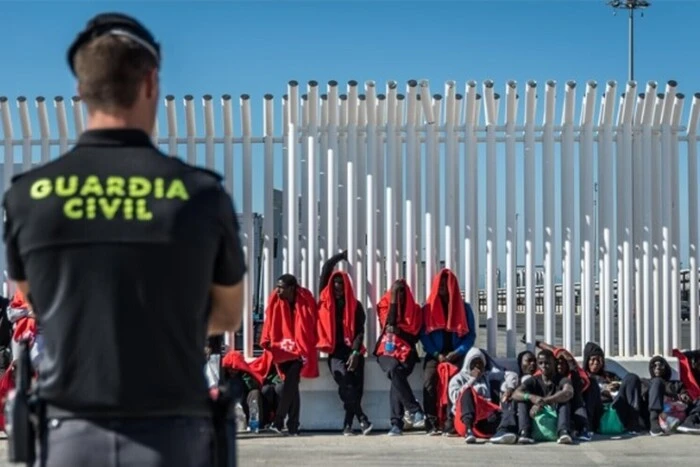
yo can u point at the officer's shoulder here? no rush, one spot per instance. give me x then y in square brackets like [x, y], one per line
[200, 173]
[35, 172]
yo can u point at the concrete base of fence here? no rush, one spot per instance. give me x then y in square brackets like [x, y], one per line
[321, 408]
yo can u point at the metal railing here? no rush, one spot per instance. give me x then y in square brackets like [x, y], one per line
[404, 181]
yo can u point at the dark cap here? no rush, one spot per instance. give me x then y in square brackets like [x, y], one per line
[116, 24]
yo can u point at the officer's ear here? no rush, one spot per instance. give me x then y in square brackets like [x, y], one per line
[152, 84]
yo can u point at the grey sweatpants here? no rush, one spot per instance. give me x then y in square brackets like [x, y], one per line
[153, 442]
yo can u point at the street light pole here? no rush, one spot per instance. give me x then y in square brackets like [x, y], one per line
[630, 6]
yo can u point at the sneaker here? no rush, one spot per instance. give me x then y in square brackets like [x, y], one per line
[276, 431]
[432, 431]
[395, 431]
[418, 420]
[407, 420]
[688, 430]
[564, 438]
[450, 434]
[347, 431]
[525, 438]
[585, 436]
[366, 427]
[470, 438]
[657, 432]
[503, 437]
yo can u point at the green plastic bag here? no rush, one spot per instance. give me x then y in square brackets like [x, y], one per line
[544, 426]
[610, 423]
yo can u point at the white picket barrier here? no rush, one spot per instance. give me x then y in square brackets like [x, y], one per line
[409, 182]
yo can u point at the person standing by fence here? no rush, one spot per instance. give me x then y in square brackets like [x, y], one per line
[124, 251]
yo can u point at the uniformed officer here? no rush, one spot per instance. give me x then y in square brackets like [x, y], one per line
[131, 259]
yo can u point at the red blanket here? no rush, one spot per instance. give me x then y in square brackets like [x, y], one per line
[409, 319]
[484, 409]
[234, 360]
[445, 371]
[326, 315]
[291, 335]
[686, 374]
[434, 315]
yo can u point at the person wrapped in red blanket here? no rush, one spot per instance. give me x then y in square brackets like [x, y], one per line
[24, 326]
[689, 371]
[476, 393]
[260, 384]
[289, 334]
[341, 331]
[401, 319]
[448, 333]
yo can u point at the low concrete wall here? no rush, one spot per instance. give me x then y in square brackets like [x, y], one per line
[321, 408]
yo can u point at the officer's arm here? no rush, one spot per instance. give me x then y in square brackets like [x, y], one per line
[15, 265]
[229, 269]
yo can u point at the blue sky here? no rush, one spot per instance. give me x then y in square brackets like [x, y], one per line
[255, 47]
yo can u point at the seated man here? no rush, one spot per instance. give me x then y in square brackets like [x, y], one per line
[545, 388]
[689, 369]
[448, 333]
[475, 393]
[658, 390]
[400, 319]
[289, 334]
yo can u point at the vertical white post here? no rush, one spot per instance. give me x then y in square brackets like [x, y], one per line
[26, 130]
[491, 218]
[511, 247]
[638, 224]
[248, 234]
[450, 168]
[587, 216]
[646, 189]
[656, 175]
[334, 182]
[268, 273]
[693, 238]
[292, 204]
[675, 225]
[548, 205]
[383, 157]
[392, 179]
[398, 191]
[312, 184]
[191, 128]
[530, 212]
[411, 246]
[362, 201]
[371, 192]
[431, 218]
[44, 129]
[62, 123]
[606, 216]
[567, 216]
[666, 228]
[353, 220]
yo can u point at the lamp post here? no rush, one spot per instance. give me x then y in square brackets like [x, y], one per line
[630, 6]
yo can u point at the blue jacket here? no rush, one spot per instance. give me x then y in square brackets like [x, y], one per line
[432, 343]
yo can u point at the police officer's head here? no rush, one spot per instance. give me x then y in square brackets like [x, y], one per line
[116, 61]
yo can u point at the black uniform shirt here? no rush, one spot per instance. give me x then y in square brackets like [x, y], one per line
[120, 245]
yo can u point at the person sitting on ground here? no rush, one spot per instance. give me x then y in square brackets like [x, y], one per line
[545, 388]
[689, 371]
[660, 391]
[623, 394]
[289, 334]
[341, 331]
[448, 333]
[400, 319]
[475, 393]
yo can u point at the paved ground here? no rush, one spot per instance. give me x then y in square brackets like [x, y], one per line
[416, 449]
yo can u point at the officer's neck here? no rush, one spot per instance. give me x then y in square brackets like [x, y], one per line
[117, 121]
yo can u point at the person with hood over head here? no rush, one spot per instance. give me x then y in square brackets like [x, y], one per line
[547, 387]
[659, 391]
[400, 319]
[448, 333]
[689, 371]
[475, 393]
[624, 395]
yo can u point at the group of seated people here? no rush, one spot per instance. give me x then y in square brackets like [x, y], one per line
[465, 392]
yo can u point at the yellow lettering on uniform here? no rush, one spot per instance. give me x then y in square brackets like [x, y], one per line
[72, 208]
[158, 188]
[142, 212]
[109, 207]
[115, 186]
[92, 186]
[41, 188]
[90, 208]
[177, 190]
[128, 209]
[139, 187]
[66, 186]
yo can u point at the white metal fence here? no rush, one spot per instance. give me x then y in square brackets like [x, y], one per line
[405, 181]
